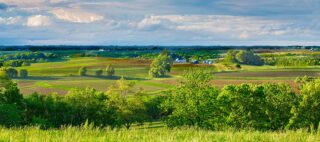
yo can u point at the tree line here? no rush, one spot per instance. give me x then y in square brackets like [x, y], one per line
[195, 102]
[25, 58]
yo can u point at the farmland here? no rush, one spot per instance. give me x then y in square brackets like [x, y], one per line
[59, 77]
[58, 100]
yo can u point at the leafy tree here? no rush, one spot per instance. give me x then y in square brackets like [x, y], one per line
[26, 63]
[243, 57]
[110, 70]
[48, 111]
[83, 71]
[248, 57]
[23, 73]
[161, 65]
[89, 105]
[231, 56]
[153, 106]
[244, 106]
[129, 105]
[193, 103]
[10, 115]
[280, 100]
[11, 72]
[9, 92]
[307, 113]
[98, 72]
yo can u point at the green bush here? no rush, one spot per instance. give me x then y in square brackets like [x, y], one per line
[307, 113]
[23, 73]
[10, 115]
[11, 72]
[83, 71]
[98, 72]
[193, 103]
[110, 70]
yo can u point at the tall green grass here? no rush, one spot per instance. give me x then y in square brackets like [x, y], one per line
[74, 134]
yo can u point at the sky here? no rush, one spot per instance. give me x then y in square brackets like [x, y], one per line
[159, 22]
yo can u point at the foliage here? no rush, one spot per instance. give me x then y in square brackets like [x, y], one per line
[283, 60]
[161, 65]
[243, 57]
[83, 71]
[110, 70]
[89, 105]
[23, 73]
[10, 115]
[193, 103]
[307, 113]
[98, 72]
[11, 72]
[128, 103]
[24, 59]
[263, 107]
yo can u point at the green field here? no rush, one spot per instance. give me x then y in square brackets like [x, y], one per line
[61, 76]
[71, 134]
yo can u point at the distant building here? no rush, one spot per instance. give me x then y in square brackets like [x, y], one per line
[195, 62]
[178, 60]
[208, 62]
[101, 50]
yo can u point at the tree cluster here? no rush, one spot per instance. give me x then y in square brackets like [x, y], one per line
[109, 71]
[24, 59]
[243, 57]
[247, 106]
[161, 65]
[120, 106]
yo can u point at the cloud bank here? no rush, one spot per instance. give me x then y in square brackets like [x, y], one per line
[165, 22]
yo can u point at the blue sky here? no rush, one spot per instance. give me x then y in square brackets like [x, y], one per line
[159, 22]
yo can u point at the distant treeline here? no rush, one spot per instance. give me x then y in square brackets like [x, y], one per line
[25, 58]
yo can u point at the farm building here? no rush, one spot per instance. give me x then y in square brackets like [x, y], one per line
[208, 62]
[178, 60]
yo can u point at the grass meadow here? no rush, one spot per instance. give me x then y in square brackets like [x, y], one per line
[83, 134]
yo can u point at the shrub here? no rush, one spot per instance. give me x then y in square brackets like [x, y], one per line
[238, 66]
[262, 107]
[307, 113]
[98, 72]
[11, 72]
[10, 115]
[110, 70]
[83, 71]
[23, 73]
[26, 63]
[127, 103]
[193, 103]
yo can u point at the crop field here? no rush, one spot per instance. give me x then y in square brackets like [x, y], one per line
[61, 76]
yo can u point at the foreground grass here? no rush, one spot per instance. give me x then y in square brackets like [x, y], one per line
[151, 135]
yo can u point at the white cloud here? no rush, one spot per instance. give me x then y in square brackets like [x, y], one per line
[10, 20]
[38, 20]
[76, 15]
[233, 26]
